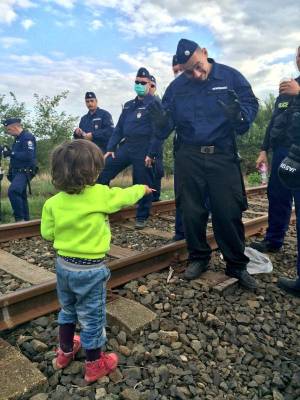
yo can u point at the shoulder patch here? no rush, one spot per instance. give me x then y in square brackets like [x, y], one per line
[283, 104]
[30, 145]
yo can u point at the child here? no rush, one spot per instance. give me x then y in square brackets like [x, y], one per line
[76, 221]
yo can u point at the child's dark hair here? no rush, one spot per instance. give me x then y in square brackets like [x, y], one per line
[75, 165]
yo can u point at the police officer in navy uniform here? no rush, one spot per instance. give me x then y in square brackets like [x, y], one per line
[278, 139]
[97, 125]
[136, 132]
[179, 230]
[206, 104]
[177, 71]
[158, 165]
[22, 166]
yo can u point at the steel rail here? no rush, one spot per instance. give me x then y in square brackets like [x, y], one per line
[27, 304]
[32, 228]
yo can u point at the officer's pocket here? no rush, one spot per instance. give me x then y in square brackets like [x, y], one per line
[213, 108]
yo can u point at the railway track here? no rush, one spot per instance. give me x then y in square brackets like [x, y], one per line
[245, 326]
[32, 228]
[26, 304]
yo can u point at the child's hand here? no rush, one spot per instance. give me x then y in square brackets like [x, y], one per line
[148, 190]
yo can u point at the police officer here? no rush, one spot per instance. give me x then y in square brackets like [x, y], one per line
[136, 132]
[158, 165]
[278, 139]
[177, 71]
[179, 230]
[207, 104]
[97, 125]
[22, 166]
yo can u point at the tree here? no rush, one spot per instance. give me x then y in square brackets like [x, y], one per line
[51, 127]
[12, 109]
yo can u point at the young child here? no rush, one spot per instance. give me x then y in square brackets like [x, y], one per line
[76, 220]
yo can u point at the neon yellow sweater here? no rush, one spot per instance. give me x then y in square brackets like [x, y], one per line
[78, 223]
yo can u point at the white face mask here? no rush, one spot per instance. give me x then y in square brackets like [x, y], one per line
[178, 74]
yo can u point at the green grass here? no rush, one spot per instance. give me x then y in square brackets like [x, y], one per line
[42, 189]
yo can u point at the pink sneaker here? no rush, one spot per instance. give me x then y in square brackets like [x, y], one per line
[106, 364]
[63, 359]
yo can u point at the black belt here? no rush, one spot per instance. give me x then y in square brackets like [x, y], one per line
[26, 171]
[211, 149]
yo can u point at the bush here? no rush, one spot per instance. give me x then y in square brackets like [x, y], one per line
[254, 179]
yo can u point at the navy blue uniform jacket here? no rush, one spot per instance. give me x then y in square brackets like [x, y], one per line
[281, 104]
[23, 151]
[196, 114]
[136, 127]
[100, 124]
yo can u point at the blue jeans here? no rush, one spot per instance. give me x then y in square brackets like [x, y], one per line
[81, 291]
[280, 206]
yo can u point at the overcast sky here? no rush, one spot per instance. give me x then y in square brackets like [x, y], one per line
[48, 46]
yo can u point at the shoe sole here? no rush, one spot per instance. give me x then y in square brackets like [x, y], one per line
[289, 291]
[266, 250]
[241, 283]
[245, 286]
[194, 277]
[91, 380]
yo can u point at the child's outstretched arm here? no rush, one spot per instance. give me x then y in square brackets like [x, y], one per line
[47, 223]
[117, 198]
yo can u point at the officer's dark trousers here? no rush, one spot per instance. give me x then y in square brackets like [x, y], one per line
[280, 205]
[179, 232]
[217, 176]
[18, 196]
[126, 156]
[158, 173]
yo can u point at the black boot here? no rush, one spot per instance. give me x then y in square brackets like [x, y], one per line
[245, 279]
[264, 246]
[195, 269]
[291, 286]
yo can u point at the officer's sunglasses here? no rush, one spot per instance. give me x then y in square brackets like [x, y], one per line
[89, 100]
[140, 83]
[190, 72]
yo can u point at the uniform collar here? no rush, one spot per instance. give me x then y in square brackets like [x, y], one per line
[94, 111]
[215, 72]
[145, 100]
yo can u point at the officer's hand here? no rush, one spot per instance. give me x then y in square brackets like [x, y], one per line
[148, 190]
[88, 136]
[262, 158]
[148, 162]
[109, 154]
[157, 113]
[291, 88]
[232, 109]
[6, 151]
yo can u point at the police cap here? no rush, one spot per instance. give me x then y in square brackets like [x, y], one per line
[90, 95]
[152, 79]
[174, 61]
[10, 121]
[143, 73]
[185, 49]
